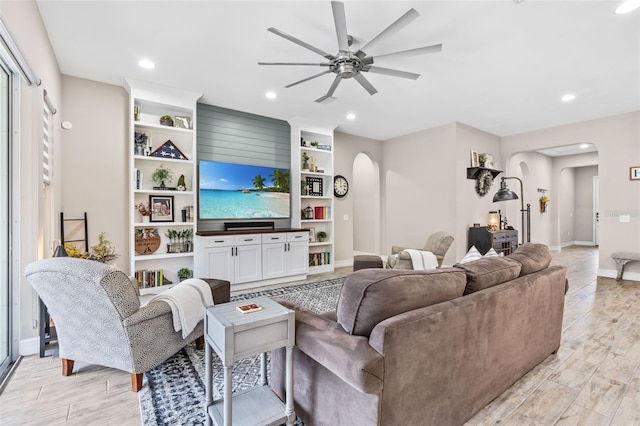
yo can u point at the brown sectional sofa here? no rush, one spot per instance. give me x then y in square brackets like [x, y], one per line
[408, 348]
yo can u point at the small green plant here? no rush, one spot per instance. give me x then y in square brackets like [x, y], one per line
[314, 144]
[162, 175]
[322, 236]
[166, 120]
[305, 156]
[185, 273]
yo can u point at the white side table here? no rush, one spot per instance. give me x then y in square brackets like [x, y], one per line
[233, 336]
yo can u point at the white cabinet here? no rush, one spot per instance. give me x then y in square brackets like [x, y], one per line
[312, 202]
[235, 258]
[253, 260]
[154, 257]
[284, 254]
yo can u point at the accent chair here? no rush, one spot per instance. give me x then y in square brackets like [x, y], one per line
[438, 243]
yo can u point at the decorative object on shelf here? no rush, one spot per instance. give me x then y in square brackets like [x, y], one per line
[484, 182]
[312, 234]
[634, 173]
[144, 211]
[322, 236]
[305, 162]
[140, 143]
[307, 212]
[505, 194]
[166, 120]
[161, 208]
[180, 241]
[543, 203]
[161, 176]
[183, 122]
[475, 161]
[314, 144]
[182, 186]
[488, 160]
[136, 113]
[185, 273]
[147, 240]
[482, 159]
[340, 186]
[169, 150]
[493, 222]
[315, 186]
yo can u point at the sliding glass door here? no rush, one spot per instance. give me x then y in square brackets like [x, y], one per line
[5, 205]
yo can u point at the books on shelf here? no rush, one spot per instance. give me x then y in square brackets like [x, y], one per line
[320, 258]
[188, 214]
[137, 178]
[322, 212]
[151, 278]
[324, 147]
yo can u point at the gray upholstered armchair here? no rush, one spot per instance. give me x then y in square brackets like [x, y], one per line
[99, 320]
[438, 243]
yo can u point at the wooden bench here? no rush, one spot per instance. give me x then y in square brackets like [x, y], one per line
[622, 258]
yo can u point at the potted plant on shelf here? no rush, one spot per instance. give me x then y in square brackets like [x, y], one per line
[160, 175]
[185, 273]
[166, 120]
[322, 236]
[305, 162]
[482, 158]
[314, 144]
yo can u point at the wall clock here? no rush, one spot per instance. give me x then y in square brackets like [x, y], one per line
[340, 186]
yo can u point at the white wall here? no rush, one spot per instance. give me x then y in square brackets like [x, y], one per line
[583, 229]
[567, 206]
[366, 205]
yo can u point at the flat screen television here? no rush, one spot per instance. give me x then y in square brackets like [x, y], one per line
[239, 191]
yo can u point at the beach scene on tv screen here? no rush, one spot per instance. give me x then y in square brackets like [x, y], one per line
[238, 191]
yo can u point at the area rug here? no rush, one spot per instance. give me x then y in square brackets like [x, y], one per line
[174, 392]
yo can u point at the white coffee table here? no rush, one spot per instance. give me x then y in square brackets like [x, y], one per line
[234, 336]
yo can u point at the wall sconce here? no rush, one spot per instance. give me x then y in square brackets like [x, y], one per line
[505, 194]
[493, 221]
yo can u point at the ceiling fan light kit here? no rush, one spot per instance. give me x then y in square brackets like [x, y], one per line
[347, 64]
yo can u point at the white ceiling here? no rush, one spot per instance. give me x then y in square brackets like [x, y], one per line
[503, 67]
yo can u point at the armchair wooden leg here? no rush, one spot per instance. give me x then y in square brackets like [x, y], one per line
[200, 343]
[67, 367]
[136, 381]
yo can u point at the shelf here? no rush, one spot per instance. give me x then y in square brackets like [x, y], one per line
[311, 149]
[321, 269]
[303, 173]
[156, 290]
[316, 220]
[315, 197]
[162, 192]
[317, 244]
[159, 126]
[162, 224]
[162, 256]
[163, 159]
[474, 172]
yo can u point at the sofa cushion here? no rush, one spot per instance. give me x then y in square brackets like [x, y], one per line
[369, 296]
[489, 271]
[532, 256]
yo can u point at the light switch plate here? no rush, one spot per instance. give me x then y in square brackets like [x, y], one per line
[625, 218]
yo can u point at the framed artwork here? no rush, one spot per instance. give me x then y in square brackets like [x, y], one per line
[183, 122]
[312, 234]
[315, 186]
[475, 159]
[161, 208]
[634, 173]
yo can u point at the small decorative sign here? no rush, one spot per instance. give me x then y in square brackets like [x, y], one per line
[634, 173]
[147, 240]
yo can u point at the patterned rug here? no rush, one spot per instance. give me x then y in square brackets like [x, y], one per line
[174, 392]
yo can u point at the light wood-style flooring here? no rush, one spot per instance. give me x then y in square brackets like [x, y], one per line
[593, 380]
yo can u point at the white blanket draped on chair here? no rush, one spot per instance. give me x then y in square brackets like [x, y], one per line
[187, 301]
[422, 260]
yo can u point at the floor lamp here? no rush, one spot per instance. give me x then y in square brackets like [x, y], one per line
[505, 194]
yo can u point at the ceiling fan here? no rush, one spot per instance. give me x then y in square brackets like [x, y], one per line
[346, 64]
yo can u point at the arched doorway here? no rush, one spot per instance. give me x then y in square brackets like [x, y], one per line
[366, 204]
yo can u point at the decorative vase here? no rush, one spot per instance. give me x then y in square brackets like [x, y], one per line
[543, 207]
[145, 219]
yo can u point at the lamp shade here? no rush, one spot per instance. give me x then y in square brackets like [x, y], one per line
[60, 251]
[504, 194]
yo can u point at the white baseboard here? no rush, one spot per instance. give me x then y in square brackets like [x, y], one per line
[343, 263]
[29, 346]
[612, 273]
[584, 243]
[555, 248]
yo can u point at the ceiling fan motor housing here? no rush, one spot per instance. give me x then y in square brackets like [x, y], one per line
[346, 65]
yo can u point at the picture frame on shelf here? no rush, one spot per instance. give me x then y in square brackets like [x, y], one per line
[475, 159]
[315, 186]
[161, 208]
[312, 234]
[182, 122]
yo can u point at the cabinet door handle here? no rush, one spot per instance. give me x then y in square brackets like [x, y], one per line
[274, 238]
[218, 241]
[248, 239]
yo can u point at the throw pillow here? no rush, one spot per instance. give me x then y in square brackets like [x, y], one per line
[472, 254]
[491, 253]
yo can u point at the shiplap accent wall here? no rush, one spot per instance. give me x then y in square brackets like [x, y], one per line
[230, 136]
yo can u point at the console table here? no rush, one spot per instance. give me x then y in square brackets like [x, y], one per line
[234, 335]
[503, 241]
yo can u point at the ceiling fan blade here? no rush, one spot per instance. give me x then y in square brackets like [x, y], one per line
[300, 42]
[409, 53]
[341, 25]
[365, 83]
[392, 29]
[322, 64]
[308, 78]
[332, 89]
[391, 72]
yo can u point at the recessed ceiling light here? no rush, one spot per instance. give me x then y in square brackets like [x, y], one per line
[351, 116]
[146, 64]
[271, 94]
[627, 6]
[568, 97]
[584, 145]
